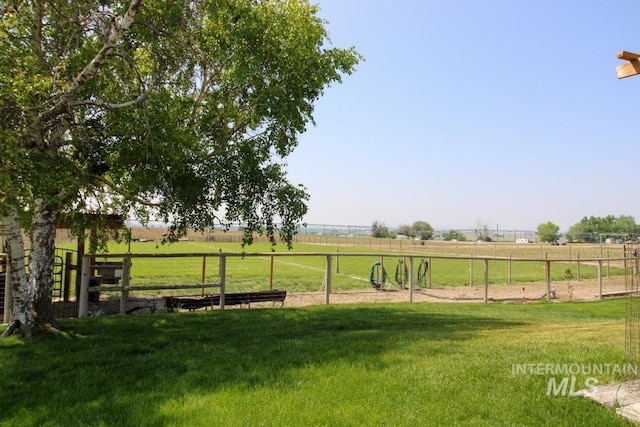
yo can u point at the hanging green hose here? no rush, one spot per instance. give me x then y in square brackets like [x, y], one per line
[374, 275]
[378, 279]
[400, 277]
[422, 272]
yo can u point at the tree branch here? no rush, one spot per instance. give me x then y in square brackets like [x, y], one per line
[88, 72]
[111, 106]
[126, 194]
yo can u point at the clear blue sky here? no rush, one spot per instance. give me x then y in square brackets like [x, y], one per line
[496, 112]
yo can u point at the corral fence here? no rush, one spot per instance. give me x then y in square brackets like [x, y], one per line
[124, 277]
[158, 275]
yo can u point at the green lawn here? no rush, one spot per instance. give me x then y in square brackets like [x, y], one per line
[354, 365]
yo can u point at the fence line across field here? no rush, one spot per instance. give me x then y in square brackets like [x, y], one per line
[125, 268]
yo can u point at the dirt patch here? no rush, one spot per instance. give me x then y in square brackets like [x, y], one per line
[586, 290]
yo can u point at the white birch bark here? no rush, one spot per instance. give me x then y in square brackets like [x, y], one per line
[22, 318]
[43, 234]
[33, 293]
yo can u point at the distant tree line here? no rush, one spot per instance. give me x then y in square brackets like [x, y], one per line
[419, 230]
[590, 229]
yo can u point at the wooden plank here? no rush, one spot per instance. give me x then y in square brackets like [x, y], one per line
[108, 220]
[617, 294]
[159, 287]
[628, 56]
[629, 69]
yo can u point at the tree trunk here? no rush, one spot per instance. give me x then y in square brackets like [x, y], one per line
[43, 234]
[22, 318]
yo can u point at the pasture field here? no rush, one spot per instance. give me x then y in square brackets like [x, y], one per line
[296, 273]
[348, 365]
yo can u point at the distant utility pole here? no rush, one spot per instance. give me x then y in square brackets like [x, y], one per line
[631, 67]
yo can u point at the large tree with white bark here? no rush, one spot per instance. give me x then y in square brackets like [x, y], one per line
[179, 110]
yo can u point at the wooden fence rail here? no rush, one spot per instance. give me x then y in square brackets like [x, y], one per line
[332, 259]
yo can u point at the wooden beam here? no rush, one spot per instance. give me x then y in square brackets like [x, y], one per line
[107, 220]
[629, 69]
[628, 56]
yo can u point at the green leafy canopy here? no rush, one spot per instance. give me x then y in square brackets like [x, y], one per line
[186, 117]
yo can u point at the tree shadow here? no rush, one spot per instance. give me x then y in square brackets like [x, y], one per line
[97, 363]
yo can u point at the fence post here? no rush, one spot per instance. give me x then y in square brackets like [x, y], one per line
[608, 265]
[337, 261]
[471, 272]
[600, 279]
[411, 279]
[578, 266]
[204, 273]
[126, 283]
[509, 270]
[83, 307]
[223, 275]
[486, 280]
[271, 274]
[547, 273]
[327, 289]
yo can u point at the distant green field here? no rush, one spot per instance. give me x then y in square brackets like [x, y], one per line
[297, 273]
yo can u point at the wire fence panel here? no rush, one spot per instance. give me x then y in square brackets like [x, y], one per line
[473, 270]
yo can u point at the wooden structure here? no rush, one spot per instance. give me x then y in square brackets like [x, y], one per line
[213, 300]
[631, 67]
[109, 221]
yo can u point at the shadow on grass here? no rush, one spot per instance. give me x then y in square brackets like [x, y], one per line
[103, 370]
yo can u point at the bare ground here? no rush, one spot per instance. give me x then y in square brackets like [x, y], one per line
[586, 290]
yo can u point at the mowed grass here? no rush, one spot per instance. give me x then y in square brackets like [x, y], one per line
[353, 365]
[296, 273]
